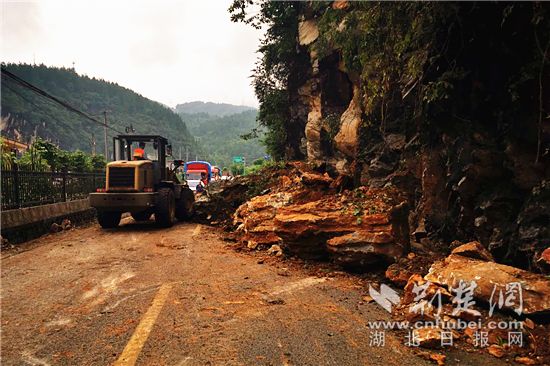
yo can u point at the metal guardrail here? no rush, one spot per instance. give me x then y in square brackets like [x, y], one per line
[32, 188]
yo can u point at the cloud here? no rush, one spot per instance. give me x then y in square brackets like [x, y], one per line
[21, 21]
[169, 51]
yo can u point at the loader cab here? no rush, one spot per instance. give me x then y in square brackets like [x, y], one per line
[156, 148]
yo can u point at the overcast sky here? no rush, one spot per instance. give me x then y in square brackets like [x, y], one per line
[171, 51]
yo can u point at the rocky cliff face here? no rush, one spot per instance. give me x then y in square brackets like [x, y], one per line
[469, 171]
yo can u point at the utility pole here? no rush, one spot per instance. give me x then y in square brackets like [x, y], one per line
[93, 143]
[197, 143]
[186, 152]
[105, 129]
[180, 152]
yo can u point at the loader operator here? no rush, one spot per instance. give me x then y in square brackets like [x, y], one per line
[139, 152]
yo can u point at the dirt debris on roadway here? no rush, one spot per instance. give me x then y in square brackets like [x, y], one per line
[289, 271]
[305, 212]
[76, 297]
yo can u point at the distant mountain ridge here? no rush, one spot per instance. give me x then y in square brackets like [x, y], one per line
[220, 136]
[213, 109]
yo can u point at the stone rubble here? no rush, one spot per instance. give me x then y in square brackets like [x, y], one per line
[298, 211]
[488, 276]
[307, 217]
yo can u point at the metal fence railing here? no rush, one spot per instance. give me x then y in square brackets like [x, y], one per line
[31, 188]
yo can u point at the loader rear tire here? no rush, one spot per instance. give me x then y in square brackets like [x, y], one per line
[165, 213]
[185, 205]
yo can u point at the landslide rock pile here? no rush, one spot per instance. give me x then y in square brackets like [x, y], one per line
[224, 197]
[500, 294]
[218, 206]
[306, 214]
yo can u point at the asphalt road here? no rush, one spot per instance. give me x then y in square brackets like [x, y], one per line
[182, 296]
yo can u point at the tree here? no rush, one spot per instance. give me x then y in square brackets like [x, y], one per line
[280, 64]
[98, 162]
[43, 155]
[8, 157]
[237, 169]
[79, 162]
[50, 153]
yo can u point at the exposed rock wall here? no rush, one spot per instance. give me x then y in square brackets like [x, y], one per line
[474, 181]
[347, 139]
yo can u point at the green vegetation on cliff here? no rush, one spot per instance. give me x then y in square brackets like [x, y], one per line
[279, 71]
[449, 102]
[427, 66]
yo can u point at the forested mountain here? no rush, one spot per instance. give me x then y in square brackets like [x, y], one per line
[26, 114]
[213, 109]
[220, 137]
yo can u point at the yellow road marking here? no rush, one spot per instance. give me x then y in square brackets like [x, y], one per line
[135, 344]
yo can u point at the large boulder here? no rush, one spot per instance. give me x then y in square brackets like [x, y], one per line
[381, 236]
[313, 129]
[347, 139]
[308, 32]
[544, 260]
[473, 249]
[491, 276]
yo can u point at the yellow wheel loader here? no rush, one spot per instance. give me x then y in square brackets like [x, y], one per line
[139, 182]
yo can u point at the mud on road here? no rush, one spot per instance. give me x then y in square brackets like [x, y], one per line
[183, 296]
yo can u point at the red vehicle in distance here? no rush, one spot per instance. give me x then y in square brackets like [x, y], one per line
[193, 171]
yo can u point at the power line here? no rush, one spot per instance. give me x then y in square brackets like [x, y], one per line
[186, 141]
[45, 94]
[36, 106]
